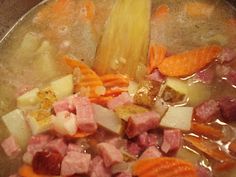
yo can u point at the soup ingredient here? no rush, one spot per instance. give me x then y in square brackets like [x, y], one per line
[208, 147]
[161, 11]
[178, 117]
[160, 106]
[10, 147]
[228, 109]
[189, 62]
[17, 126]
[115, 80]
[172, 140]
[119, 53]
[142, 122]
[164, 166]
[147, 93]
[122, 99]
[88, 78]
[47, 162]
[29, 98]
[207, 111]
[127, 110]
[27, 171]
[110, 154]
[209, 131]
[62, 87]
[107, 119]
[157, 54]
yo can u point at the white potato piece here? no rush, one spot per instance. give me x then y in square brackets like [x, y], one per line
[178, 85]
[39, 126]
[178, 117]
[65, 123]
[107, 119]
[63, 87]
[29, 98]
[17, 126]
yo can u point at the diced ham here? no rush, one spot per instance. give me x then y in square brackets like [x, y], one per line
[207, 111]
[38, 142]
[134, 148]
[227, 55]
[124, 174]
[110, 154]
[57, 145]
[10, 147]
[203, 172]
[75, 163]
[151, 152]
[205, 76]
[142, 122]
[147, 139]
[123, 98]
[222, 70]
[98, 169]
[62, 105]
[156, 76]
[228, 109]
[172, 140]
[74, 147]
[14, 175]
[118, 142]
[85, 115]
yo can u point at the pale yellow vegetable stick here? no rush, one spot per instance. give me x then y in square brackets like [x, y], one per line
[125, 41]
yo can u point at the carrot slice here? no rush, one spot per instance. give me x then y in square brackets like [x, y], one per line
[210, 148]
[87, 9]
[89, 78]
[161, 11]
[157, 54]
[102, 100]
[207, 130]
[115, 80]
[195, 9]
[189, 62]
[79, 134]
[164, 166]
[27, 171]
[115, 91]
[59, 5]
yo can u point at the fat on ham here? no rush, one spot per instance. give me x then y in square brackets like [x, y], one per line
[150, 152]
[172, 140]
[123, 98]
[10, 147]
[98, 168]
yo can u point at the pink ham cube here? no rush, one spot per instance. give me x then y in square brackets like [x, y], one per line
[10, 147]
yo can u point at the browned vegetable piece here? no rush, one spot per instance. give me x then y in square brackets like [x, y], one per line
[172, 96]
[147, 93]
[160, 106]
[125, 111]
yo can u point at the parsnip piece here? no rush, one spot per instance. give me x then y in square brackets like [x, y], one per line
[178, 117]
[107, 119]
[17, 126]
[178, 85]
[30, 98]
[39, 126]
[125, 41]
[62, 87]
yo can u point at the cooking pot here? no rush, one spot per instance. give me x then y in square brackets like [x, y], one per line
[12, 10]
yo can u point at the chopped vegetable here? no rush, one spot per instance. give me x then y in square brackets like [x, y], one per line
[160, 106]
[89, 78]
[132, 88]
[147, 93]
[87, 10]
[62, 87]
[107, 119]
[116, 53]
[208, 147]
[80, 134]
[207, 130]
[178, 117]
[164, 166]
[27, 171]
[125, 111]
[102, 100]
[189, 62]
[17, 126]
[157, 54]
[171, 96]
[115, 80]
[29, 98]
[161, 11]
[178, 85]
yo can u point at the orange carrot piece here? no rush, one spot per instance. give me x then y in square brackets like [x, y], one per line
[27, 171]
[102, 100]
[157, 54]
[207, 130]
[164, 166]
[115, 91]
[196, 9]
[232, 22]
[89, 78]
[59, 5]
[210, 148]
[115, 80]
[80, 134]
[189, 62]
[161, 11]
